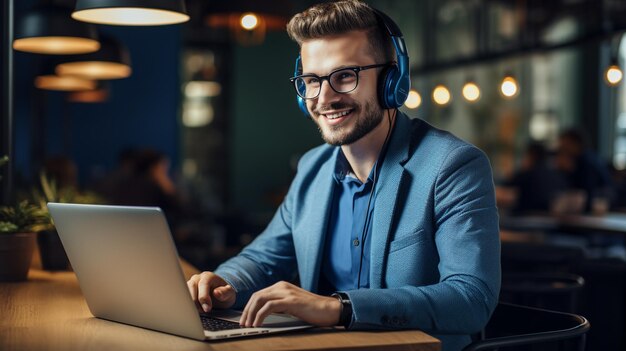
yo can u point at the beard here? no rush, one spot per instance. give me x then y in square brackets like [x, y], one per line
[371, 116]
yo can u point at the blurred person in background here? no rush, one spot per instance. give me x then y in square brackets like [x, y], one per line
[124, 170]
[583, 169]
[62, 170]
[142, 179]
[619, 183]
[535, 186]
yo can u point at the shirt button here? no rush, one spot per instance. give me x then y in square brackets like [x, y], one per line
[355, 242]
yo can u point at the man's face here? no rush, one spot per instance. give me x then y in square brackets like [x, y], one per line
[343, 118]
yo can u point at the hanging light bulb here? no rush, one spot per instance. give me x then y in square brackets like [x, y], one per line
[441, 95]
[413, 100]
[249, 21]
[471, 91]
[509, 87]
[613, 75]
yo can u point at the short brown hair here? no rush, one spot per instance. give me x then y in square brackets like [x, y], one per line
[341, 17]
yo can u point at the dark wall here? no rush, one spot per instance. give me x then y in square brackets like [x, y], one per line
[269, 132]
[142, 110]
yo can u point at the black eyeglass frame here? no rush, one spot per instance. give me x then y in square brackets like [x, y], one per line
[356, 70]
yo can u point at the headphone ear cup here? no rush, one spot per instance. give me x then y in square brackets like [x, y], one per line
[302, 106]
[386, 84]
[301, 102]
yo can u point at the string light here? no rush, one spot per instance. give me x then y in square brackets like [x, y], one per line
[441, 95]
[509, 87]
[613, 75]
[471, 91]
[414, 100]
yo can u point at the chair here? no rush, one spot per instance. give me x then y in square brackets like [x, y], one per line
[521, 326]
[540, 258]
[542, 276]
[553, 291]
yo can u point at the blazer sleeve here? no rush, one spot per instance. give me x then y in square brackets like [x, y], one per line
[468, 245]
[270, 258]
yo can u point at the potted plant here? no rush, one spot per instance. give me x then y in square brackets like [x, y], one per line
[52, 253]
[18, 227]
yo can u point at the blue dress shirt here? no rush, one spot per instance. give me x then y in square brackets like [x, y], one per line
[434, 256]
[344, 239]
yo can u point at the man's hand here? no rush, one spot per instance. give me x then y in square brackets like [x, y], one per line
[284, 297]
[209, 290]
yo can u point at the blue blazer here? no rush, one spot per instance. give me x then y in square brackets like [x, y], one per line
[435, 249]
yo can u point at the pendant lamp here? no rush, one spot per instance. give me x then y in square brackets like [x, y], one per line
[112, 61]
[131, 12]
[98, 95]
[64, 83]
[47, 80]
[49, 29]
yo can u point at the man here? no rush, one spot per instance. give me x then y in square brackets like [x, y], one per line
[394, 216]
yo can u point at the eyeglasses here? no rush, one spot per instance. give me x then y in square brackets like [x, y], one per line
[343, 80]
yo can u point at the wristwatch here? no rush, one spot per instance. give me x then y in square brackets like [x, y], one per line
[345, 317]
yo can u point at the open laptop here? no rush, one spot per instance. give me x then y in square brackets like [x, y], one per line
[129, 272]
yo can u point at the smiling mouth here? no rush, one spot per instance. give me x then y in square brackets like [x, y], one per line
[337, 115]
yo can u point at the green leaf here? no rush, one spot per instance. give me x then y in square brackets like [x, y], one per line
[7, 227]
[24, 217]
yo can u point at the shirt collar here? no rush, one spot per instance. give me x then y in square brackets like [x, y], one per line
[343, 170]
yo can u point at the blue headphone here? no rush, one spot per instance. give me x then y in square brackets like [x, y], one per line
[395, 80]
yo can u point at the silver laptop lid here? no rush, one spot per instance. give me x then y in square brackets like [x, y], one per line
[127, 266]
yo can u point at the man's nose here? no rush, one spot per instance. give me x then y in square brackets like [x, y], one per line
[327, 94]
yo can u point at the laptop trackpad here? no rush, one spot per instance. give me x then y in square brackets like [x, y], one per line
[275, 320]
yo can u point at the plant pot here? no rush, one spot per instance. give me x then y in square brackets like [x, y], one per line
[53, 256]
[16, 253]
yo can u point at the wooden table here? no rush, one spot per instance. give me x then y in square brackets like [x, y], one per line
[48, 312]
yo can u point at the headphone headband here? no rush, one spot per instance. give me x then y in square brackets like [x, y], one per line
[397, 80]
[391, 26]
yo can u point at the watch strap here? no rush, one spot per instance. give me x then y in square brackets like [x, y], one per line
[345, 317]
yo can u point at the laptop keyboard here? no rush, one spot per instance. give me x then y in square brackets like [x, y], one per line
[216, 324]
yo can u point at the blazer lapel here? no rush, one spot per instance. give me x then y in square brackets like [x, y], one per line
[391, 177]
[317, 224]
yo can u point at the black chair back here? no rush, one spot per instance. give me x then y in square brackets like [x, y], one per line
[529, 328]
[552, 291]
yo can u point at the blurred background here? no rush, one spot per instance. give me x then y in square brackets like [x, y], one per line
[201, 120]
